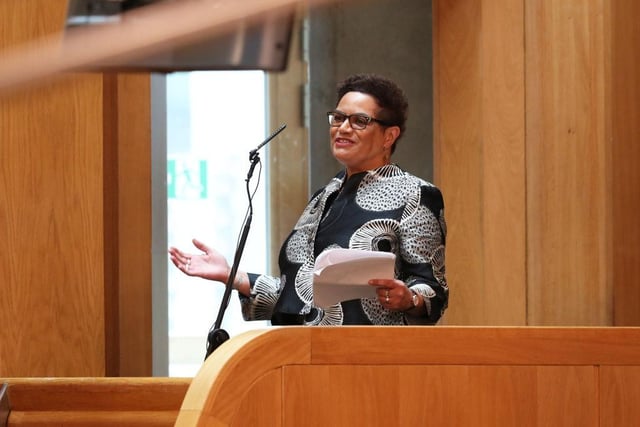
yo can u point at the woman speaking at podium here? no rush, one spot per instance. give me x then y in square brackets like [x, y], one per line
[372, 204]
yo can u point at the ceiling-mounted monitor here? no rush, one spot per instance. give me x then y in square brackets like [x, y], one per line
[257, 44]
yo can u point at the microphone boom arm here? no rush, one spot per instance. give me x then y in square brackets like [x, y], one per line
[217, 335]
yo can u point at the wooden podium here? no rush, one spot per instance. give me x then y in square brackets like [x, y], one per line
[367, 376]
[409, 376]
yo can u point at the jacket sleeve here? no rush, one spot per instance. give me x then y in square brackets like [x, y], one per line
[422, 248]
[265, 291]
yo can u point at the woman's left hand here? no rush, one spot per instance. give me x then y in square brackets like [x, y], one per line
[393, 294]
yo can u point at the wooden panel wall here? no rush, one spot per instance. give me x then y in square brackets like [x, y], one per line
[133, 244]
[51, 250]
[567, 163]
[74, 253]
[537, 112]
[625, 155]
[479, 157]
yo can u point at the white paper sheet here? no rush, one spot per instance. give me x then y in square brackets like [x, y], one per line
[343, 274]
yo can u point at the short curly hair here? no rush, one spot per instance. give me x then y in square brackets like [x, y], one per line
[389, 96]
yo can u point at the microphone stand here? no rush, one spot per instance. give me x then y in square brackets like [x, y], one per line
[217, 335]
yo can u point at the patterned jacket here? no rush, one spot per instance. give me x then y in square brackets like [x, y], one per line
[384, 209]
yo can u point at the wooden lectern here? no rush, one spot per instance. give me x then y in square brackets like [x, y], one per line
[410, 376]
[367, 376]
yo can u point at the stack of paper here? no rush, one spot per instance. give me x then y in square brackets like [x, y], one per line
[343, 274]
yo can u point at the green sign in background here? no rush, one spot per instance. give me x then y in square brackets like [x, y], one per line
[186, 180]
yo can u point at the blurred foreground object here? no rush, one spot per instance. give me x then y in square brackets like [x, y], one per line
[251, 43]
[157, 31]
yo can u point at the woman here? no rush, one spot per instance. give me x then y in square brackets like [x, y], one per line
[370, 205]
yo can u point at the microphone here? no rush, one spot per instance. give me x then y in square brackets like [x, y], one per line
[217, 336]
[253, 152]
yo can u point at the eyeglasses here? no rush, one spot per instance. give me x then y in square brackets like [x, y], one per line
[357, 121]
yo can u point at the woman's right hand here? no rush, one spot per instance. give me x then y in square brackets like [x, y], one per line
[209, 265]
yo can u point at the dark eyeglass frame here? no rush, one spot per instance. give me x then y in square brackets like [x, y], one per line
[368, 119]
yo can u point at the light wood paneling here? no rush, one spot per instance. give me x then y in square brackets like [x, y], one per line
[134, 224]
[293, 376]
[74, 216]
[380, 376]
[52, 304]
[503, 175]
[243, 351]
[478, 345]
[29, 19]
[458, 153]
[479, 157]
[537, 117]
[43, 402]
[567, 164]
[620, 391]
[441, 395]
[566, 395]
[110, 229]
[269, 388]
[625, 154]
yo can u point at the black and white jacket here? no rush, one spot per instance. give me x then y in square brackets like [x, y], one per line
[385, 209]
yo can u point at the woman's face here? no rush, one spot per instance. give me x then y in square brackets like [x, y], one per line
[361, 149]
